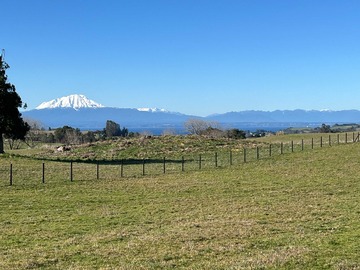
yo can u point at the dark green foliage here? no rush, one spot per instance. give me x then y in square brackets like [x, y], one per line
[12, 126]
[324, 128]
[70, 135]
[235, 133]
[112, 129]
[62, 134]
[89, 137]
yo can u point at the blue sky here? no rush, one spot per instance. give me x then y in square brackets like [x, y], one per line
[195, 57]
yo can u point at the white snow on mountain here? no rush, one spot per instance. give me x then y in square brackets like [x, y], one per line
[151, 110]
[73, 101]
[80, 101]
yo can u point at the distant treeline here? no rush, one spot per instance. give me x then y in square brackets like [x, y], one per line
[324, 128]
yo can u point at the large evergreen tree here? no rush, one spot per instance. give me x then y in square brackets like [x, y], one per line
[11, 123]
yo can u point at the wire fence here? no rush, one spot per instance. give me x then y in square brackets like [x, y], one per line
[35, 172]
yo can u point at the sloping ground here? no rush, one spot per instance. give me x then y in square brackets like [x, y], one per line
[142, 147]
[295, 211]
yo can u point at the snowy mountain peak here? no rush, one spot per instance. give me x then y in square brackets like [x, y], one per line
[151, 110]
[73, 101]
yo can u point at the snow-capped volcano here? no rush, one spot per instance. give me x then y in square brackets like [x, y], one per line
[73, 101]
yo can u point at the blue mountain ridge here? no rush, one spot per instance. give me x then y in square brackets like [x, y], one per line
[95, 119]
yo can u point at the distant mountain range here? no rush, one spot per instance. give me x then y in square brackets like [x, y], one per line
[80, 112]
[297, 116]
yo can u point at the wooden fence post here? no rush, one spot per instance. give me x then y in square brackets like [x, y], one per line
[353, 137]
[97, 171]
[182, 163]
[302, 144]
[11, 174]
[346, 137]
[312, 143]
[43, 173]
[320, 141]
[257, 152]
[244, 155]
[164, 165]
[231, 158]
[338, 139]
[71, 171]
[200, 162]
[143, 167]
[292, 146]
[329, 140]
[281, 148]
[270, 149]
[216, 162]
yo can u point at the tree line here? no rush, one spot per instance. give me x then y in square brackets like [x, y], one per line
[69, 135]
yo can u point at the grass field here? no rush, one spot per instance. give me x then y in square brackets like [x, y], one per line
[299, 210]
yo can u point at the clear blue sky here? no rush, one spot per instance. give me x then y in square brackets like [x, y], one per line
[191, 56]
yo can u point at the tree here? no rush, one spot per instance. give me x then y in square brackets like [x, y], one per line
[33, 137]
[112, 129]
[236, 133]
[12, 126]
[325, 128]
[68, 135]
[200, 127]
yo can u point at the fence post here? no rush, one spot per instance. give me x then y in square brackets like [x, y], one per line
[292, 146]
[338, 139]
[244, 155]
[329, 140]
[281, 148]
[164, 165]
[71, 171]
[302, 144]
[11, 174]
[43, 173]
[97, 170]
[182, 163]
[200, 162]
[231, 157]
[346, 137]
[122, 168]
[312, 143]
[320, 141]
[257, 152]
[216, 163]
[143, 167]
[270, 149]
[353, 137]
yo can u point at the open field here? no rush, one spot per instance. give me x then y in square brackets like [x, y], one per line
[176, 146]
[299, 210]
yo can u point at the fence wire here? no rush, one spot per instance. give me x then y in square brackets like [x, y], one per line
[35, 172]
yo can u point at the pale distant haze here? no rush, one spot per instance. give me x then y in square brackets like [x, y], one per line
[189, 56]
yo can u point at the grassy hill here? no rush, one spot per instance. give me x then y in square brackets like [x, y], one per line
[294, 211]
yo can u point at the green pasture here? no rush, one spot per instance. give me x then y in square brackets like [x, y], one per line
[297, 210]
